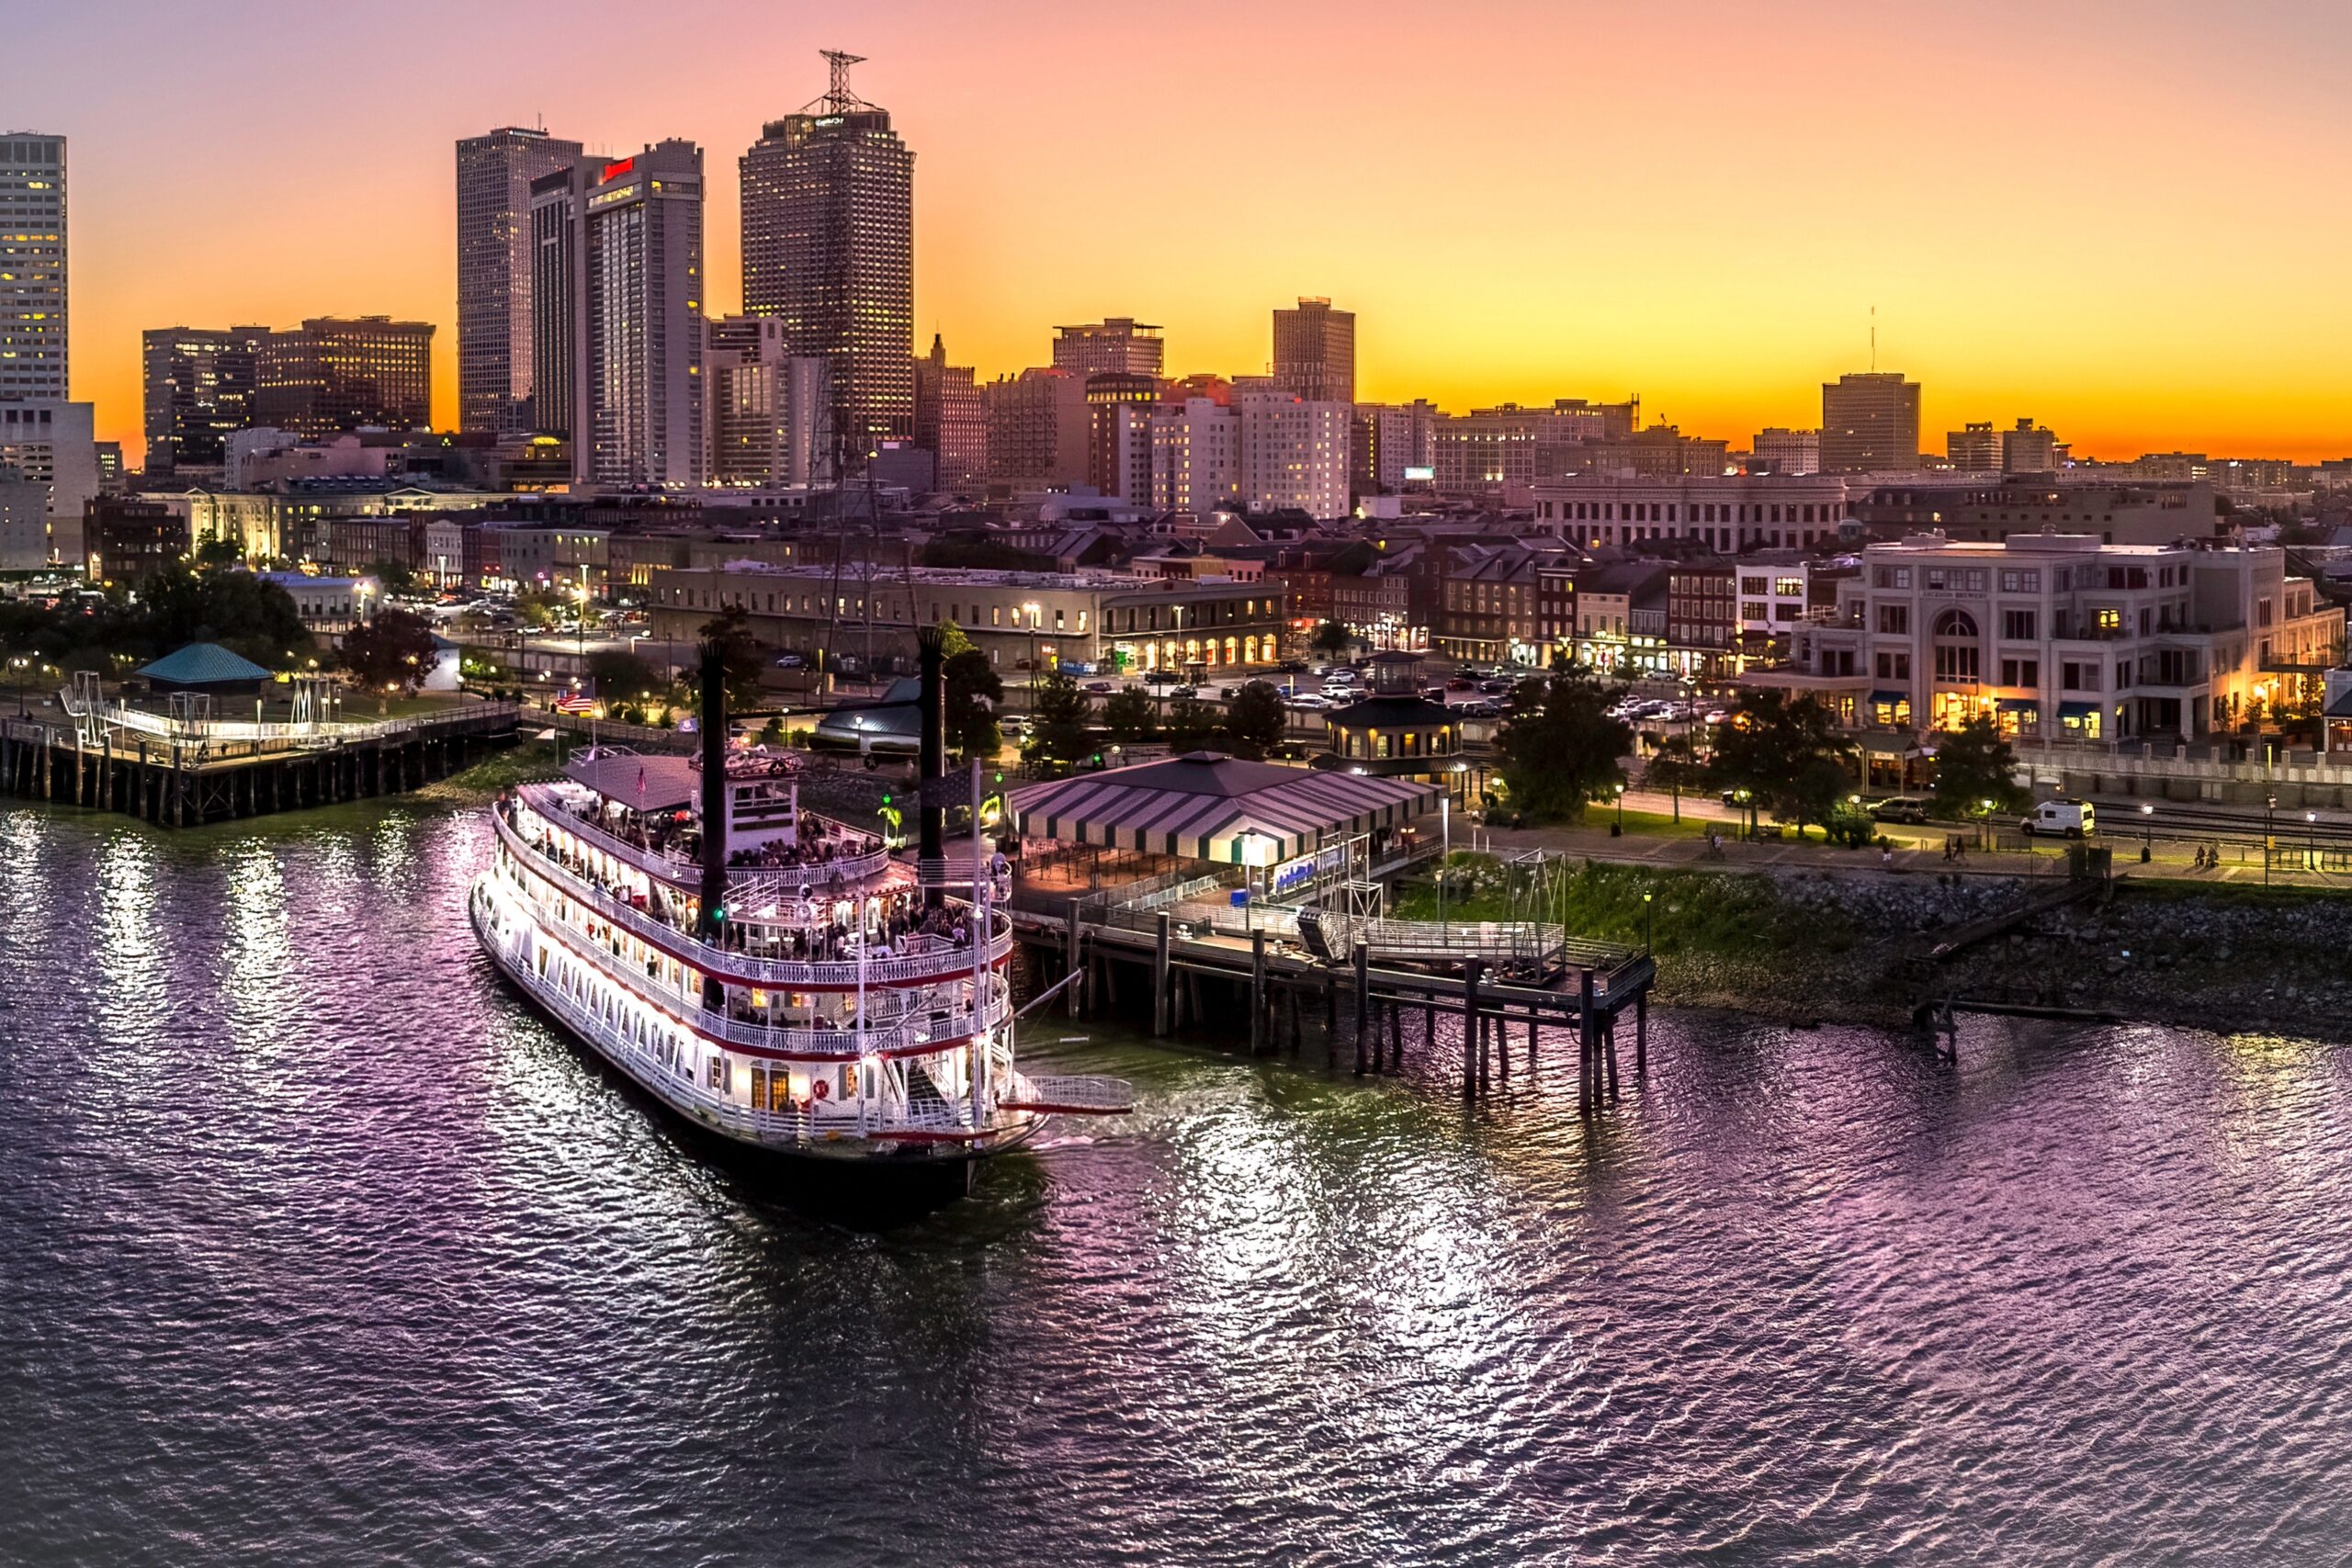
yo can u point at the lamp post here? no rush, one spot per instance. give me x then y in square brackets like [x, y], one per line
[2148, 838]
[2310, 841]
[1621, 809]
[1649, 930]
[2269, 815]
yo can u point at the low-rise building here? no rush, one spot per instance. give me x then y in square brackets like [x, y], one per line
[2061, 637]
[1728, 514]
[1962, 509]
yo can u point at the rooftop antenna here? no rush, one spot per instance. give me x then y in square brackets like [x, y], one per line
[838, 98]
[1873, 340]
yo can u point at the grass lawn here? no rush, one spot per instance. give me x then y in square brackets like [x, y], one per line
[1705, 911]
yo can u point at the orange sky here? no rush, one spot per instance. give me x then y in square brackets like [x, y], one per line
[2122, 219]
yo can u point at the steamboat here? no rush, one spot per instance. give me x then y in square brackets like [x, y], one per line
[780, 981]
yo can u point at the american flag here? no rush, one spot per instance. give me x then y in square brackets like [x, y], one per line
[575, 702]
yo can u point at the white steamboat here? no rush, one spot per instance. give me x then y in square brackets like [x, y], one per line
[835, 1010]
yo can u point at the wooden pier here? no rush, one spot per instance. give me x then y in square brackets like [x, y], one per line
[1181, 980]
[187, 779]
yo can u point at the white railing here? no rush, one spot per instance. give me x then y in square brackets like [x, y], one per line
[197, 732]
[680, 871]
[943, 962]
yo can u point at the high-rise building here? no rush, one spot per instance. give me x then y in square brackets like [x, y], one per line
[52, 444]
[1782, 451]
[950, 422]
[1973, 449]
[1113, 445]
[1037, 430]
[1870, 424]
[829, 248]
[2031, 449]
[1293, 453]
[1114, 345]
[1195, 456]
[200, 384]
[559, 284]
[1315, 351]
[335, 373]
[641, 251]
[32, 268]
[766, 407]
[1394, 444]
[495, 174]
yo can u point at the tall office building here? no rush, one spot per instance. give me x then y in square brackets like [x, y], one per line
[828, 247]
[951, 420]
[1037, 430]
[198, 384]
[1113, 442]
[1785, 451]
[1117, 345]
[1315, 351]
[494, 322]
[765, 406]
[640, 250]
[1870, 424]
[1392, 446]
[559, 283]
[337, 373]
[1293, 453]
[32, 268]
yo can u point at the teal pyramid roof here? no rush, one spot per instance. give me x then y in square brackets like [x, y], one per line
[203, 664]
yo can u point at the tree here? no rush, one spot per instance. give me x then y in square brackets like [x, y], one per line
[619, 677]
[397, 577]
[1787, 755]
[1190, 724]
[1976, 769]
[1254, 720]
[542, 606]
[236, 609]
[1675, 768]
[973, 691]
[952, 640]
[217, 550]
[1127, 718]
[394, 649]
[1061, 710]
[739, 656]
[1559, 754]
[1332, 640]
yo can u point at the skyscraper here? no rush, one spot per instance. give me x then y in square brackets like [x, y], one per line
[494, 321]
[1114, 345]
[640, 249]
[335, 373]
[951, 420]
[1870, 424]
[829, 246]
[765, 407]
[200, 384]
[1315, 351]
[32, 268]
[559, 283]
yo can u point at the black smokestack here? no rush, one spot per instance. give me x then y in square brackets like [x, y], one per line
[714, 789]
[931, 852]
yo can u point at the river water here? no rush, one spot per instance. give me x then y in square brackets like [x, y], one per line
[316, 1247]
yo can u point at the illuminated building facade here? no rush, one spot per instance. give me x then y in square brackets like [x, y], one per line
[494, 319]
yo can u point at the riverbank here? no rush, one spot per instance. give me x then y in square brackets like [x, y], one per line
[1806, 945]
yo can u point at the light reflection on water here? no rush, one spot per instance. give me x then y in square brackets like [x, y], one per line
[319, 1248]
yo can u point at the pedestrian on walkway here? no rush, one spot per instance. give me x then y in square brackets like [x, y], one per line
[1886, 856]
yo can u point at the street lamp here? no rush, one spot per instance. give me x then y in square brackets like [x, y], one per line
[2311, 841]
[2269, 815]
[1621, 809]
[1647, 928]
[2148, 841]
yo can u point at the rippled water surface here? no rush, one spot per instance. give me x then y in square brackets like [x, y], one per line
[315, 1248]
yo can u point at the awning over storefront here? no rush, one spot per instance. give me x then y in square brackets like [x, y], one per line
[2020, 704]
[1204, 806]
[2075, 713]
[1889, 699]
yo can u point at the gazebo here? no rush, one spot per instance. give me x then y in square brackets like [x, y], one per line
[205, 667]
[1204, 806]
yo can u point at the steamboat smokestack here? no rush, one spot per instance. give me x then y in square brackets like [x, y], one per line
[932, 851]
[713, 722]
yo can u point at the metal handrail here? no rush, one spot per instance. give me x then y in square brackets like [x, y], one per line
[816, 1045]
[682, 873]
[831, 974]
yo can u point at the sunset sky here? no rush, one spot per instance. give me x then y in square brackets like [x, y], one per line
[2124, 219]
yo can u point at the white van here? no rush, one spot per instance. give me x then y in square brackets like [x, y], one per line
[2070, 819]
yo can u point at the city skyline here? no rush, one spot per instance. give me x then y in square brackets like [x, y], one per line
[1713, 238]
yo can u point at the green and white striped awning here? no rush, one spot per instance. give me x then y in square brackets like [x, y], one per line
[1213, 808]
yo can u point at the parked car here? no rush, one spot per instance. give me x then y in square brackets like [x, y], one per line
[1485, 708]
[1290, 667]
[1493, 687]
[2069, 818]
[1101, 686]
[1434, 693]
[1900, 809]
[1306, 702]
[1161, 677]
[1184, 691]
[1462, 684]
[789, 661]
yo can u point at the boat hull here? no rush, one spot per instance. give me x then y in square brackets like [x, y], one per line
[860, 1184]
